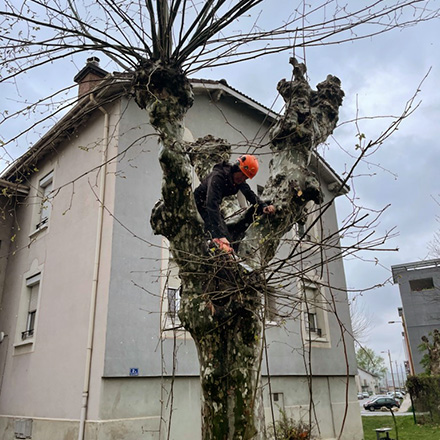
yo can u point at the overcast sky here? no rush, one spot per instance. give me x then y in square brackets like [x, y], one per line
[378, 77]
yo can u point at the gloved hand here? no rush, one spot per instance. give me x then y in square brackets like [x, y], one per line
[223, 244]
[269, 209]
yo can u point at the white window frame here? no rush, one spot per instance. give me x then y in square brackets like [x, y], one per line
[173, 306]
[314, 234]
[314, 309]
[42, 216]
[170, 283]
[270, 307]
[27, 318]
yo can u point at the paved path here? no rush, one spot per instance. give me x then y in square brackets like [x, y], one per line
[405, 405]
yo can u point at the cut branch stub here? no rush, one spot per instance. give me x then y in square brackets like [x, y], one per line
[206, 152]
[310, 116]
[154, 80]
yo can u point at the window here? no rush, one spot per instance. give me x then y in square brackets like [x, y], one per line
[309, 228]
[312, 324]
[278, 400]
[421, 284]
[270, 313]
[23, 428]
[31, 298]
[313, 224]
[171, 307]
[311, 311]
[314, 313]
[45, 202]
[173, 296]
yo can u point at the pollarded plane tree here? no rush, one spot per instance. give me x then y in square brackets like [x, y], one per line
[158, 44]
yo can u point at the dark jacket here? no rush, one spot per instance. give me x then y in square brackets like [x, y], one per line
[210, 193]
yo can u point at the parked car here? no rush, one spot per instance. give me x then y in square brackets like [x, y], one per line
[395, 394]
[365, 394]
[381, 402]
[360, 396]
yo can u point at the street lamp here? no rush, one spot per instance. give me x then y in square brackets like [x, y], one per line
[405, 337]
[391, 367]
[398, 377]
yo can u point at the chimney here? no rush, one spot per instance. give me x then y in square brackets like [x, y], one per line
[89, 76]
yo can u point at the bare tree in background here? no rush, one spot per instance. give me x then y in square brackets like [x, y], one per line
[158, 44]
[362, 321]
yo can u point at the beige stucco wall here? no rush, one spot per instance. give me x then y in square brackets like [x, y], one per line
[45, 378]
[132, 410]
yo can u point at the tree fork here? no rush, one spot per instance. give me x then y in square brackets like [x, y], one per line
[219, 307]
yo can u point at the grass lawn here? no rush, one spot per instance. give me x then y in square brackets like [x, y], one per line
[406, 428]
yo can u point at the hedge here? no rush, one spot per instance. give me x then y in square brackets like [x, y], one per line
[425, 394]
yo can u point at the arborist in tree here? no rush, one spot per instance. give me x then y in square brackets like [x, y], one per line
[225, 180]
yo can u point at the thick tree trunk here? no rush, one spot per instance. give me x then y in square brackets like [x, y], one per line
[225, 323]
[220, 305]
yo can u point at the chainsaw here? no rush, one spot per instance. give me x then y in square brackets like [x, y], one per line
[220, 248]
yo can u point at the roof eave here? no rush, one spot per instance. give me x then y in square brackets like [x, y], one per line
[105, 93]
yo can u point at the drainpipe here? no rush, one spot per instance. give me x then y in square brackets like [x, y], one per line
[97, 260]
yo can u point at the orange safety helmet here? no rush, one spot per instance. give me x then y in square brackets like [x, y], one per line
[248, 165]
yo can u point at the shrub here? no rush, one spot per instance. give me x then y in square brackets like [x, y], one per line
[425, 392]
[289, 429]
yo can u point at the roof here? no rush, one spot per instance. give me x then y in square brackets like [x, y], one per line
[222, 85]
[369, 372]
[116, 85]
[109, 90]
[418, 265]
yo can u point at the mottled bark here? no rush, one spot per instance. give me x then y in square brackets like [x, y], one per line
[225, 322]
[310, 117]
[221, 303]
[220, 306]
[207, 152]
[431, 360]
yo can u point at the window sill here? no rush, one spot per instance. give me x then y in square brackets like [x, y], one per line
[37, 231]
[28, 341]
[317, 340]
[171, 326]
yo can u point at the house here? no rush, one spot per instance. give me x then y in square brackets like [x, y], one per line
[368, 382]
[88, 293]
[419, 286]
